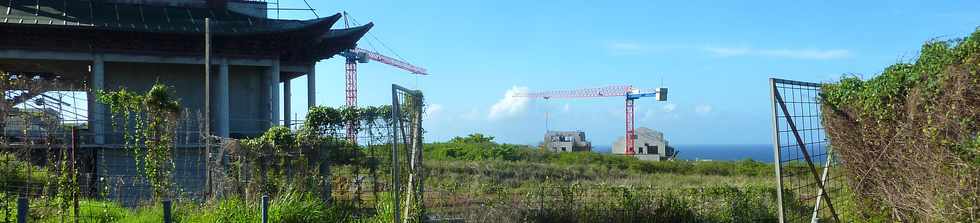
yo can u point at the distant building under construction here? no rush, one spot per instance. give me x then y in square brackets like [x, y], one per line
[650, 145]
[567, 141]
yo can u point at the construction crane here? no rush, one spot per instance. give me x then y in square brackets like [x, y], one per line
[358, 55]
[628, 92]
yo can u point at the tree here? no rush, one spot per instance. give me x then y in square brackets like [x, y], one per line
[473, 138]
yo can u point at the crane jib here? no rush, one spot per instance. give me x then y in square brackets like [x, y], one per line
[638, 96]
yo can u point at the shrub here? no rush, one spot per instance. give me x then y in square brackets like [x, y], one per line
[907, 138]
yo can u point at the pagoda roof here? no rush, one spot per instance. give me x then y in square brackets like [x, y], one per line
[313, 38]
[105, 15]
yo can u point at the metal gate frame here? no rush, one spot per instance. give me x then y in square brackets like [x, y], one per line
[805, 102]
[412, 144]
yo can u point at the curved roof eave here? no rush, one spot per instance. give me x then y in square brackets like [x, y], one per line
[271, 26]
[338, 40]
[106, 16]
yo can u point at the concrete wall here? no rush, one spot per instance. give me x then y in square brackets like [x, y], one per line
[649, 145]
[571, 141]
[248, 107]
[121, 182]
[247, 90]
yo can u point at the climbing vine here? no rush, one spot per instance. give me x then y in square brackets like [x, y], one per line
[148, 124]
[299, 160]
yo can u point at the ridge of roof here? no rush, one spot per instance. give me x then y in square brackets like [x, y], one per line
[105, 15]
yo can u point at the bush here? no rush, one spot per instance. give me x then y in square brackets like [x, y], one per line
[908, 138]
[479, 147]
[15, 173]
[551, 203]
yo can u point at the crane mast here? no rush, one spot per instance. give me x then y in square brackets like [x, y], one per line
[358, 55]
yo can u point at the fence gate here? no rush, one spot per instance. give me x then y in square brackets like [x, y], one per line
[406, 148]
[806, 174]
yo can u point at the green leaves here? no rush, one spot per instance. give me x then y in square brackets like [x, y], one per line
[472, 138]
[915, 117]
[350, 114]
[159, 99]
[154, 117]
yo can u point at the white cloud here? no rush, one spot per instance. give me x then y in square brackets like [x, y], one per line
[510, 105]
[633, 48]
[813, 54]
[432, 110]
[626, 47]
[648, 115]
[630, 48]
[703, 109]
[665, 112]
[669, 107]
[727, 52]
[473, 114]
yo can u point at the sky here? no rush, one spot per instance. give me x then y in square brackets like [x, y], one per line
[714, 56]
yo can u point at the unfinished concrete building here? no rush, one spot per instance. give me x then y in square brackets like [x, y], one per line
[93, 45]
[567, 141]
[114, 44]
[650, 145]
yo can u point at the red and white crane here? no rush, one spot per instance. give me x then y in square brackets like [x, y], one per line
[358, 55]
[627, 91]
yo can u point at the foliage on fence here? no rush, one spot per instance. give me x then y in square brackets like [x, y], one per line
[148, 123]
[283, 159]
[908, 138]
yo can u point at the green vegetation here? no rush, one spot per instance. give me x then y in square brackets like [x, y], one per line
[148, 122]
[518, 183]
[291, 207]
[13, 172]
[909, 138]
[509, 183]
[478, 147]
[627, 204]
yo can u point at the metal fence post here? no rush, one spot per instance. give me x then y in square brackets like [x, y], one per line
[166, 211]
[22, 209]
[776, 151]
[265, 208]
[396, 117]
[75, 191]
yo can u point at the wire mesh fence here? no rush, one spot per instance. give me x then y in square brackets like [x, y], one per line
[597, 203]
[50, 160]
[807, 173]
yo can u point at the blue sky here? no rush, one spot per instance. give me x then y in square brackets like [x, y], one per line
[714, 56]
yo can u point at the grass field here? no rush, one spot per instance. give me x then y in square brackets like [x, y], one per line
[478, 180]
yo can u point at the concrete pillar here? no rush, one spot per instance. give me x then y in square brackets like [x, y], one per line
[311, 86]
[221, 108]
[287, 104]
[272, 75]
[97, 114]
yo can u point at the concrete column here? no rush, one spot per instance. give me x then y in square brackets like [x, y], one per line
[97, 114]
[221, 108]
[287, 104]
[272, 75]
[311, 86]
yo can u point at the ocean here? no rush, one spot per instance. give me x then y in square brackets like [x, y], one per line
[758, 152]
